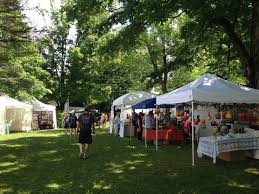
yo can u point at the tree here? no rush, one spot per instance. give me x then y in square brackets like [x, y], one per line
[239, 20]
[54, 49]
[20, 69]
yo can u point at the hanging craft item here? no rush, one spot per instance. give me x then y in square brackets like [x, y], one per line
[213, 123]
[203, 124]
[178, 114]
[241, 116]
[218, 116]
[209, 117]
[248, 117]
[184, 118]
[228, 116]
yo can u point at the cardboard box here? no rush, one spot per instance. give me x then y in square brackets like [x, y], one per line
[232, 156]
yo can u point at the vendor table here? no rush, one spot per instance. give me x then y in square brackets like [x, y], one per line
[213, 146]
[164, 134]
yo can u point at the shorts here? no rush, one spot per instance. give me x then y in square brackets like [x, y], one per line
[85, 138]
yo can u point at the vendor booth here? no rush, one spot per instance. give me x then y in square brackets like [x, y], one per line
[210, 89]
[124, 104]
[43, 115]
[14, 115]
[165, 131]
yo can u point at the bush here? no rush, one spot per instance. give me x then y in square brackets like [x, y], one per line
[60, 118]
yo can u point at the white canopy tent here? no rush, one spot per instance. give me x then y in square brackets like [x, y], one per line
[15, 115]
[40, 106]
[132, 98]
[128, 100]
[209, 88]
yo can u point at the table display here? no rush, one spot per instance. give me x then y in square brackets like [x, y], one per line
[164, 134]
[214, 145]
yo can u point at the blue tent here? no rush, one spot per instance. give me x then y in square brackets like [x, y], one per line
[151, 103]
[148, 103]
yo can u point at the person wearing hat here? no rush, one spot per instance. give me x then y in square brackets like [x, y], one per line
[72, 119]
[85, 126]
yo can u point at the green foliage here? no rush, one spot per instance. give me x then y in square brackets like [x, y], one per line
[21, 65]
[220, 30]
[61, 118]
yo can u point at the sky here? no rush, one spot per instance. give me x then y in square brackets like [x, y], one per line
[35, 18]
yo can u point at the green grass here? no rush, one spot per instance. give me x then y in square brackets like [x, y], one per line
[47, 162]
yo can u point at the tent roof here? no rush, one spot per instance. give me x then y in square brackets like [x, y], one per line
[9, 102]
[132, 98]
[210, 88]
[148, 103]
[40, 106]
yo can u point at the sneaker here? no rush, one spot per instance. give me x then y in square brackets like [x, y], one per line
[81, 156]
[85, 156]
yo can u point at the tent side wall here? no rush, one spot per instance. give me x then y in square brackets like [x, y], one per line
[55, 119]
[19, 119]
[2, 120]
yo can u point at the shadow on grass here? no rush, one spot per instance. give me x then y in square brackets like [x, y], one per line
[47, 162]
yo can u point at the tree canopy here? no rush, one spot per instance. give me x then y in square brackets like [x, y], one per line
[122, 46]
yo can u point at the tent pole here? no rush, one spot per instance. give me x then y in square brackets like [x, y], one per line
[156, 130]
[192, 133]
[146, 137]
[130, 130]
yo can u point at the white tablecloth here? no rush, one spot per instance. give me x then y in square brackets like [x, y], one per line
[212, 146]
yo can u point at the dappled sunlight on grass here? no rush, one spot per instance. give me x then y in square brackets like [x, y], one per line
[7, 164]
[239, 185]
[101, 185]
[54, 186]
[4, 189]
[9, 156]
[12, 168]
[252, 171]
[134, 162]
[139, 155]
[47, 152]
[47, 162]
[11, 145]
[114, 168]
[131, 147]
[132, 168]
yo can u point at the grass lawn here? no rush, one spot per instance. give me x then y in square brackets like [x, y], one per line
[47, 162]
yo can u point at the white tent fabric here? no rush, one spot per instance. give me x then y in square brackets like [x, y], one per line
[129, 99]
[14, 115]
[210, 88]
[132, 98]
[9, 102]
[40, 106]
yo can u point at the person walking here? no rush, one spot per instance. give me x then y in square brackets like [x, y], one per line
[72, 119]
[140, 126]
[86, 126]
[116, 122]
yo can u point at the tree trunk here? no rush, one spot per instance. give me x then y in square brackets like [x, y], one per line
[164, 86]
[61, 106]
[253, 67]
[165, 67]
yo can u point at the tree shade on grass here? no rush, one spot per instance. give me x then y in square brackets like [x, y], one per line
[47, 162]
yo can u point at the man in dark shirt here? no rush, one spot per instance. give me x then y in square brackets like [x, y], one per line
[86, 127]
